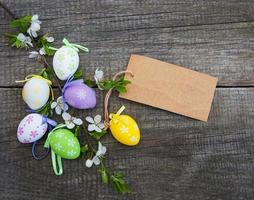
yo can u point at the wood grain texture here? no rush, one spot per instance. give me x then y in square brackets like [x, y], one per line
[213, 37]
[178, 158]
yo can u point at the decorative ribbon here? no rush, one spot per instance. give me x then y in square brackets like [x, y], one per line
[29, 77]
[34, 154]
[76, 47]
[106, 100]
[50, 123]
[118, 112]
[111, 115]
[56, 159]
[69, 83]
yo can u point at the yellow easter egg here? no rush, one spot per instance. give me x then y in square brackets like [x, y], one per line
[36, 93]
[124, 129]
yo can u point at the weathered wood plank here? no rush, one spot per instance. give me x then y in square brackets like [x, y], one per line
[173, 31]
[178, 158]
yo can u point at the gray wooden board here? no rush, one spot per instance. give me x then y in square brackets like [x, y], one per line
[178, 157]
[215, 38]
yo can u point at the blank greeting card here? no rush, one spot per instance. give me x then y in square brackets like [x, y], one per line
[170, 87]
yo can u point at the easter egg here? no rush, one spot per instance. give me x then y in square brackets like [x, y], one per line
[31, 128]
[36, 93]
[64, 143]
[80, 96]
[65, 62]
[124, 129]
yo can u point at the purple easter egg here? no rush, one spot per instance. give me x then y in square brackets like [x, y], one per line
[80, 96]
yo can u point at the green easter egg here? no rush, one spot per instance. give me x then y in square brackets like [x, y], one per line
[64, 143]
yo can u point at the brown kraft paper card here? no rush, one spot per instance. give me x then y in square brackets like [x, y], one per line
[170, 87]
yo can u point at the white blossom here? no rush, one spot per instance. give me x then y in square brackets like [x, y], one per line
[71, 121]
[98, 75]
[34, 27]
[36, 54]
[96, 159]
[25, 40]
[49, 38]
[95, 123]
[59, 105]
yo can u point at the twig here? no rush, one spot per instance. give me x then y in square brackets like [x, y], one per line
[46, 65]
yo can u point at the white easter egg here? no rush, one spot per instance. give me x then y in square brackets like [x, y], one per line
[65, 62]
[36, 93]
[31, 128]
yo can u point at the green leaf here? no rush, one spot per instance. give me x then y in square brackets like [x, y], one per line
[119, 85]
[104, 174]
[119, 183]
[97, 135]
[46, 73]
[76, 131]
[46, 110]
[84, 148]
[121, 89]
[125, 82]
[22, 23]
[14, 42]
[78, 74]
[89, 82]
[42, 42]
[48, 51]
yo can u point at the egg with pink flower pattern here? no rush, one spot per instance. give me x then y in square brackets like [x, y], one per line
[31, 128]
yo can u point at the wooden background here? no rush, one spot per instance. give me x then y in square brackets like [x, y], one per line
[178, 157]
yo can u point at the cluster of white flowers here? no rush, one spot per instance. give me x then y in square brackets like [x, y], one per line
[26, 41]
[59, 105]
[41, 52]
[60, 108]
[95, 123]
[34, 27]
[71, 121]
[96, 159]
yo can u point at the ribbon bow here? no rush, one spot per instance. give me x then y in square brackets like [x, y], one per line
[69, 83]
[56, 159]
[74, 46]
[29, 77]
[48, 121]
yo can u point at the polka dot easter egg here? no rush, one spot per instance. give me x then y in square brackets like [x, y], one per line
[79, 95]
[36, 92]
[66, 60]
[31, 128]
[64, 143]
[124, 128]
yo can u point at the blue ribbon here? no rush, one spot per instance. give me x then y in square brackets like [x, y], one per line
[50, 123]
[39, 157]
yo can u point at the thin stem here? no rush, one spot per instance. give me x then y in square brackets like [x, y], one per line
[46, 65]
[87, 139]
